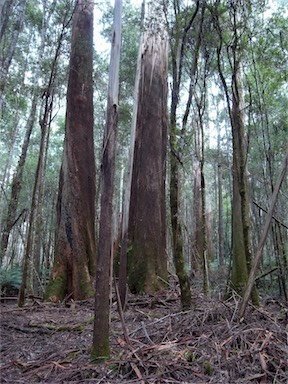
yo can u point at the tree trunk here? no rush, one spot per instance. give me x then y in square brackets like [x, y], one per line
[220, 201]
[241, 242]
[100, 347]
[38, 228]
[75, 248]
[177, 51]
[198, 239]
[147, 220]
[239, 266]
[241, 210]
[127, 197]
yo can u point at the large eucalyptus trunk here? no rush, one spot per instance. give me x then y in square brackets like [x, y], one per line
[147, 261]
[75, 249]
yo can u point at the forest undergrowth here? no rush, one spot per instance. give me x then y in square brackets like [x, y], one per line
[156, 342]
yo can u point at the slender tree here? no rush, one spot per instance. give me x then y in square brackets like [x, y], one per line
[178, 46]
[220, 195]
[241, 242]
[100, 347]
[75, 249]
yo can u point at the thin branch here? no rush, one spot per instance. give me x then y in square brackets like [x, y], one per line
[273, 217]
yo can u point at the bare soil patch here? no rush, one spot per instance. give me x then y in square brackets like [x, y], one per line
[49, 343]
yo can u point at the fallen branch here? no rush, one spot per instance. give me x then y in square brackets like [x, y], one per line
[273, 217]
[266, 273]
[256, 261]
[58, 328]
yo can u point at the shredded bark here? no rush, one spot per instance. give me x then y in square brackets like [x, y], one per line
[50, 343]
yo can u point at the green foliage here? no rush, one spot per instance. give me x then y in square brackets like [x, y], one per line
[10, 280]
[34, 14]
[100, 356]
[208, 369]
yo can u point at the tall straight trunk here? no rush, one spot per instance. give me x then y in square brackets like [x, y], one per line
[240, 186]
[147, 220]
[75, 248]
[220, 200]
[241, 242]
[198, 239]
[177, 242]
[220, 216]
[100, 347]
[34, 201]
[203, 213]
[38, 229]
[127, 196]
[239, 265]
[177, 51]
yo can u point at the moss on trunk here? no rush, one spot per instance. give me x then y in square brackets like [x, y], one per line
[56, 289]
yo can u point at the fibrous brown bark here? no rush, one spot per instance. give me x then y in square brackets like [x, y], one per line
[147, 220]
[75, 249]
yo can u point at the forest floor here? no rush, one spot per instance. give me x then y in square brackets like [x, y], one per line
[50, 343]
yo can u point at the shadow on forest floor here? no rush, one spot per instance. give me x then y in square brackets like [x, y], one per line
[49, 343]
